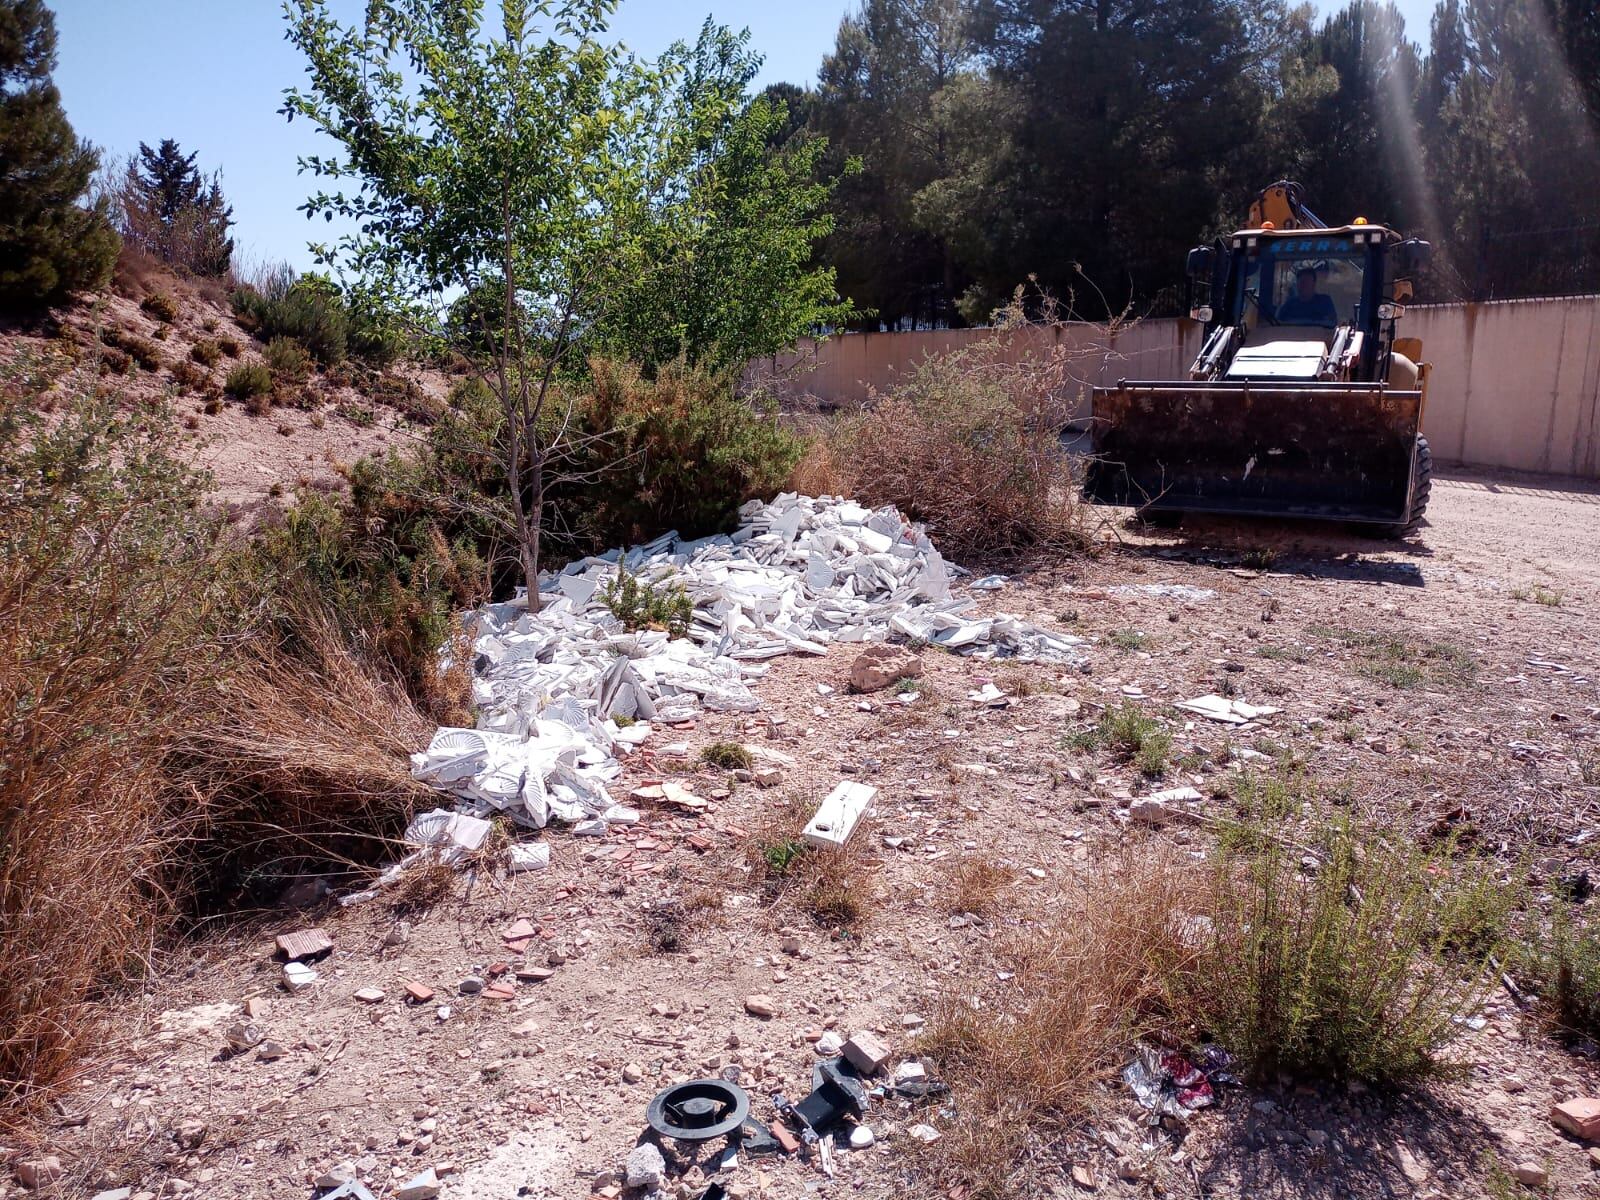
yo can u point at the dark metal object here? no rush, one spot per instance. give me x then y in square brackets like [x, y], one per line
[699, 1110]
[1339, 451]
[836, 1093]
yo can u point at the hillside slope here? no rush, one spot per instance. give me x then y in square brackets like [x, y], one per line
[145, 350]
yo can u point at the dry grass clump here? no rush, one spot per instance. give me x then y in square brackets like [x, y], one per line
[1086, 980]
[974, 885]
[835, 888]
[671, 925]
[303, 758]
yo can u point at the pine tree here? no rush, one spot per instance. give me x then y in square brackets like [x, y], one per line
[50, 245]
[175, 213]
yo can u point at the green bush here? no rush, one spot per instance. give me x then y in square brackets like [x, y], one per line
[640, 605]
[161, 306]
[288, 359]
[387, 562]
[248, 379]
[309, 309]
[681, 451]
[1566, 969]
[205, 352]
[141, 350]
[730, 756]
[1333, 951]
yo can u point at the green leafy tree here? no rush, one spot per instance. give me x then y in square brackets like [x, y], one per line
[537, 164]
[728, 270]
[1513, 152]
[891, 93]
[174, 212]
[50, 244]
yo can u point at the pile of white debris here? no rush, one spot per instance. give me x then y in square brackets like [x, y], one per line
[798, 575]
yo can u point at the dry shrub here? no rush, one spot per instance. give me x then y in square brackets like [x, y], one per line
[1088, 979]
[302, 758]
[970, 442]
[102, 568]
[818, 473]
[167, 723]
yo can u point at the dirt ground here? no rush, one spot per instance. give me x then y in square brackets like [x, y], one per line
[543, 1095]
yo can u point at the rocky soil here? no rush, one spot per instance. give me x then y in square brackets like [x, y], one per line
[542, 1094]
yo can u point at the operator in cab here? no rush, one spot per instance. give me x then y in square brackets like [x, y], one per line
[1308, 306]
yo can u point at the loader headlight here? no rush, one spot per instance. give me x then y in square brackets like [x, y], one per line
[1390, 312]
[1202, 314]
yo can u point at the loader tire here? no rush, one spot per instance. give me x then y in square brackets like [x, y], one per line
[1161, 518]
[1421, 489]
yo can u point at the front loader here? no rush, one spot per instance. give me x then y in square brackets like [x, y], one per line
[1302, 401]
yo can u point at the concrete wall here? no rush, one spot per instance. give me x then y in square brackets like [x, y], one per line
[1516, 383]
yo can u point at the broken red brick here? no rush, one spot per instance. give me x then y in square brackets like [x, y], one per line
[500, 991]
[306, 943]
[1579, 1116]
[790, 1144]
[418, 993]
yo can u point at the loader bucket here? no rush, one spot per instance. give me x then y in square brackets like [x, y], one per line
[1336, 451]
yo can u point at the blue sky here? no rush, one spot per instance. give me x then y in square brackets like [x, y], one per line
[211, 74]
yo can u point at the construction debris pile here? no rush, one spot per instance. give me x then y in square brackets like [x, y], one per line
[797, 575]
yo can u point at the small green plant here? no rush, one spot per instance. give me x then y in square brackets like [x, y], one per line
[1549, 597]
[357, 414]
[907, 685]
[1135, 736]
[1589, 768]
[1127, 640]
[1566, 966]
[248, 380]
[622, 722]
[1081, 741]
[782, 855]
[161, 306]
[288, 359]
[1258, 558]
[639, 605]
[1294, 654]
[730, 756]
[206, 352]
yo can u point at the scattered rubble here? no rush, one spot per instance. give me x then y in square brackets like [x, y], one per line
[839, 813]
[1231, 712]
[645, 1166]
[798, 575]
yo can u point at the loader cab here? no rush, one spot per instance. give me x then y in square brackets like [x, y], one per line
[1296, 300]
